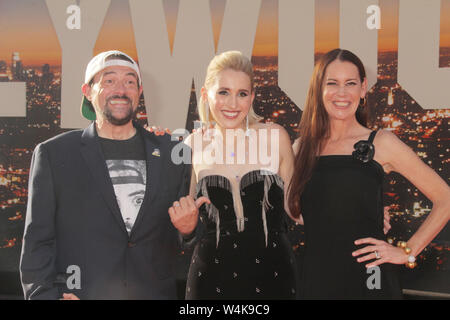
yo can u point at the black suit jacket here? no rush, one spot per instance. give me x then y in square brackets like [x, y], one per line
[73, 219]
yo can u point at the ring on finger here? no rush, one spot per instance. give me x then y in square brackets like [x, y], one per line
[377, 255]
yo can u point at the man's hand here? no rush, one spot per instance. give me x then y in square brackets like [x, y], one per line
[69, 296]
[184, 213]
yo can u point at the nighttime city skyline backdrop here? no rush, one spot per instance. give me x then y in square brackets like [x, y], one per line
[425, 131]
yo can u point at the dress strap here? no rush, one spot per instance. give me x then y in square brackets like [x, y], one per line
[372, 136]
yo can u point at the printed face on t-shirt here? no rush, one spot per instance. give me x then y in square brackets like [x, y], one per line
[128, 179]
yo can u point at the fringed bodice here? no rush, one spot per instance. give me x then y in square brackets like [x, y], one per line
[262, 197]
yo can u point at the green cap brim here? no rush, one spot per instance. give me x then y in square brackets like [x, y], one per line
[87, 109]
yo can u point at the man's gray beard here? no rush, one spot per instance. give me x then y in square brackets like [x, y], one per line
[119, 122]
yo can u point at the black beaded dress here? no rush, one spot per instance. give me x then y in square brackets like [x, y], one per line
[343, 202]
[247, 257]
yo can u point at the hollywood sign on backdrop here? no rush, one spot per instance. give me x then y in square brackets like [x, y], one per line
[168, 75]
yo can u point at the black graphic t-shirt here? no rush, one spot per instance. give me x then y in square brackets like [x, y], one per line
[126, 163]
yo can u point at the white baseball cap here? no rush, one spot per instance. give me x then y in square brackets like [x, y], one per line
[97, 64]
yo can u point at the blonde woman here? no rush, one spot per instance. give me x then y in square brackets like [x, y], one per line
[240, 170]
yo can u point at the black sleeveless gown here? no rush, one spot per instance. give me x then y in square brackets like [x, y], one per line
[343, 202]
[243, 258]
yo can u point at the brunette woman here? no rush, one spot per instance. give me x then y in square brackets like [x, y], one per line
[337, 189]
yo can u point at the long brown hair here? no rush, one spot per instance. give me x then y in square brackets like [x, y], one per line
[315, 125]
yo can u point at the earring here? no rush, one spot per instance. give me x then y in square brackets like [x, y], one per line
[207, 113]
[247, 131]
[364, 102]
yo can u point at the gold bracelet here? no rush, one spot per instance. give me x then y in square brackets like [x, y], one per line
[411, 259]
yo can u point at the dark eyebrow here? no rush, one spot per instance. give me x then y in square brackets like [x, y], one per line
[137, 192]
[332, 79]
[132, 74]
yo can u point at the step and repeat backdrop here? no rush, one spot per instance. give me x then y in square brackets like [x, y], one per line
[404, 44]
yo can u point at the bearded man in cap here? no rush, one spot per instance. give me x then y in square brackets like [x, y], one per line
[97, 225]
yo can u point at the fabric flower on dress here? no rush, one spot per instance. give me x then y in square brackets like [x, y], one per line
[364, 151]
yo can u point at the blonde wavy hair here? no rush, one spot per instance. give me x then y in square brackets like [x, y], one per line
[233, 60]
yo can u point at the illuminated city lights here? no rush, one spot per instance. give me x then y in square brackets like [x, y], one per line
[425, 131]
